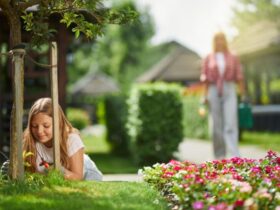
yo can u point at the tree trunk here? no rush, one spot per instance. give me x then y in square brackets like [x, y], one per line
[16, 161]
[15, 27]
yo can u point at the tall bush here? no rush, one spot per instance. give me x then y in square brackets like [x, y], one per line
[115, 117]
[154, 121]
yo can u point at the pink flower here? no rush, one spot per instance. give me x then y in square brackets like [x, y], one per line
[221, 206]
[198, 205]
[256, 169]
[168, 174]
[215, 162]
[237, 160]
[245, 187]
[271, 154]
[237, 177]
[174, 162]
[185, 185]
[263, 193]
[189, 176]
[212, 208]
[198, 179]
[210, 175]
[206, 195]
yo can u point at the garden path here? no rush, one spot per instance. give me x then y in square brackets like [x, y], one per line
[199, 151]
[196, 151]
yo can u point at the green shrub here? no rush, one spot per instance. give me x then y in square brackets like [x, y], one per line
[101, 112]
[154, 121]
[115, 117]
[195, 125]
[78, 118]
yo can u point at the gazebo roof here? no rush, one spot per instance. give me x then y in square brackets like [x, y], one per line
[94, 84]
[179, 65]
[260, 37]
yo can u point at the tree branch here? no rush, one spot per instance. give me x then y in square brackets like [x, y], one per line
[24, 5]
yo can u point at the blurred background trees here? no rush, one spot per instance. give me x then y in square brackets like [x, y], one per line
[249, 12]
[119, 52]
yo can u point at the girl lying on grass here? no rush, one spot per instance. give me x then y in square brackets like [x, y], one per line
[38, 139]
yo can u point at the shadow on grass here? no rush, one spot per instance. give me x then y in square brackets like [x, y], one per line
[112, 164]
[87, 195]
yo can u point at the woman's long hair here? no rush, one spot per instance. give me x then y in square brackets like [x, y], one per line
[220, 36]
[44, 105]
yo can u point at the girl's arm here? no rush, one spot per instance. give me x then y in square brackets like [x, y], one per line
[75, 171]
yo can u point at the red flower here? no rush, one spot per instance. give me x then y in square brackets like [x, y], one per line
[237, 177]
[177, 168]
[239, 203]
[46, 165]
[268, 169]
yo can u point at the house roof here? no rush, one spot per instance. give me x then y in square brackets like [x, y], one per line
[94, 84]
[261, 36]
[180, 64]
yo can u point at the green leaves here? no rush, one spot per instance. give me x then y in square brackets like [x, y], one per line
[84, 17]
[121, 16]
[28, 20]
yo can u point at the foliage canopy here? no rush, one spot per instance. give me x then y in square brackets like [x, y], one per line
[35, 14]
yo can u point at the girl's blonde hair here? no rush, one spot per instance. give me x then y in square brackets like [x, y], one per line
[44, 105]
[220, 35]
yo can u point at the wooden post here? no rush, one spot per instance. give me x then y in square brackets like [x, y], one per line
[16, 169]
[54, 93]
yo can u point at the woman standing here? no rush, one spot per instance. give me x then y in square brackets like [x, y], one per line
[221, 70]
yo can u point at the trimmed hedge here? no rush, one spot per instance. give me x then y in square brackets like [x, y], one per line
[155, 121]
[79, 118]
[115, 117]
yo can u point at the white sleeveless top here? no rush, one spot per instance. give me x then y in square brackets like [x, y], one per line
[220, 58]
[74, 143]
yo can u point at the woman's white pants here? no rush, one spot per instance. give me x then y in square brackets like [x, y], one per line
[223, 120]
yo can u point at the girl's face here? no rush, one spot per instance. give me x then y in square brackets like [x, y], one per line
[41, 128]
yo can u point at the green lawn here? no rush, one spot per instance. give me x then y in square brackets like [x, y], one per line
[99, 150]
[264, 140]
[43, 195]
[53, 192]
[96, 143]
[113, 164]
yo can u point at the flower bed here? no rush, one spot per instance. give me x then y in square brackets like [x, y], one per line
[236, 183]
